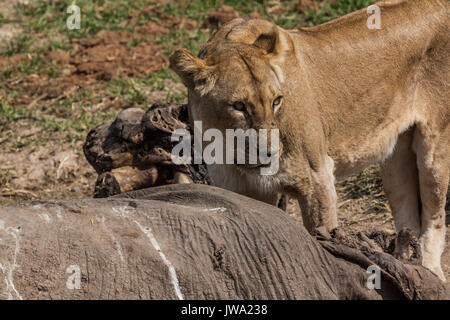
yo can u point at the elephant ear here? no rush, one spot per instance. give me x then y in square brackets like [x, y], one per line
[193, 71]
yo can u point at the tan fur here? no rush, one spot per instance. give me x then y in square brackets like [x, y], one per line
[351, 97]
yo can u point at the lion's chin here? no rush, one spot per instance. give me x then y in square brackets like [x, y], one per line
[251, 169]
[254, 166]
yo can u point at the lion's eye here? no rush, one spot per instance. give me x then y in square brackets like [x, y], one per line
[239, 106]
[277, 102]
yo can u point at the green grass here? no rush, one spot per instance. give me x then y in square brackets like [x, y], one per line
[8, 113]
[26, 66]
[131, 90]
[53, 45]
[125, 14]
[59, 117]
[128, 89]
[20, 45]
[95, 16]
[334, 10]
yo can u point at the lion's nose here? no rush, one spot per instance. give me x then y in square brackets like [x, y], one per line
[271, 153]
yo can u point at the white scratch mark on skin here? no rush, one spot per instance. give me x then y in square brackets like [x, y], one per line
[172, 272]
[9, 271]
[219, 209]
[122, 211]
[58, 214]
[45, 217]
[114, 240]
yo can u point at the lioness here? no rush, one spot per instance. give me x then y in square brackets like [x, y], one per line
[343, 97]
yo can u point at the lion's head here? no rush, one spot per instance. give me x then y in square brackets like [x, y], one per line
[237, 81]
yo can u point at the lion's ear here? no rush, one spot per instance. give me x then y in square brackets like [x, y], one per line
[192, 70]
[186, 65]
[271, 41]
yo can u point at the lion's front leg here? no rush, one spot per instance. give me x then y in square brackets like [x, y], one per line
[317, 197]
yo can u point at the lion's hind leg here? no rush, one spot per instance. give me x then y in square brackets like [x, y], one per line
[432, 149]
[401, 185]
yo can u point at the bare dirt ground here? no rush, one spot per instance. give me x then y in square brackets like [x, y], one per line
[50, 97]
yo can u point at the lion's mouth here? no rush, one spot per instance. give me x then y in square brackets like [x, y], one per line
[256, 166]
[259, 165]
